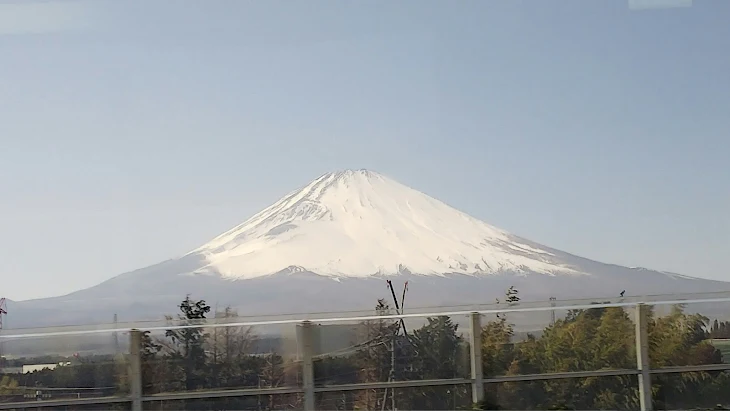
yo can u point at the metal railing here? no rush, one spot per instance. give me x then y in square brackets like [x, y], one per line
[305, 343]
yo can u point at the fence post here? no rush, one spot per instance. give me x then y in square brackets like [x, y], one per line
[305, 348]
[475, 346]
[642, 356]
[135, 369]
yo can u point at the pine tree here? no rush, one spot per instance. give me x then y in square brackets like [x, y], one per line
[152, 371]
[188, 343]
[438, 346]
[512, 296]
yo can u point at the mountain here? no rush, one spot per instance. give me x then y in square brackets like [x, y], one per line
[329, 246]
[361, 223]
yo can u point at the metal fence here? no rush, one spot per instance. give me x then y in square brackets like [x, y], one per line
[307, 344]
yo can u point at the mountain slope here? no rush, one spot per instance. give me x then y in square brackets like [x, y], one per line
[360, 223]
[329, 246]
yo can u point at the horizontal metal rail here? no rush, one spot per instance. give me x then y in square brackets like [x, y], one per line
[691, 368]
[63, 403]
[654, 299]
[191, 395]
[83, 330]
[33, 389]
[136, 398]
[559, 375]
[392, 384]
[194, 395]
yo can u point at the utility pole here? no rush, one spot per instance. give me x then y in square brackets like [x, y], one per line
[552, 312]
[135, 369]
[306, 349]
[475, 356]
[391, 377]
[392, 373]
[3, 312]
[116, 337]
[399, 308]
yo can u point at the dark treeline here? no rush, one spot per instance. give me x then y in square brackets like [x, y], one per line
[219, 358]
[719, 330]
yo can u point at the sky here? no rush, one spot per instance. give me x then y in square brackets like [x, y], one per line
[132, 132]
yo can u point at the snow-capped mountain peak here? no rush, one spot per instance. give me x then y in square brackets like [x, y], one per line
[357, 223]
[349, 227]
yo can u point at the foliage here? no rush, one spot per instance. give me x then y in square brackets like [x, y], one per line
[598, 339]
[8, 385]
[222, 357]
[186, 353]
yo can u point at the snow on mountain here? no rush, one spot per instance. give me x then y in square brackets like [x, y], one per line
[349, 226]
[358, 223]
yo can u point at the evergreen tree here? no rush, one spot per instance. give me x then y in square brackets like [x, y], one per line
[187, 349]
[439, 348]
[512, 296]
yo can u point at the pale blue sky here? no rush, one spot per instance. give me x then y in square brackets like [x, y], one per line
[133, 131]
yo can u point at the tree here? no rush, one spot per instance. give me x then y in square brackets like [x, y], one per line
[153, 377]
[438, 351]
[678, 339]
[512, 295]
[373, 359]
[230, 348]
[8, 386]
[585, 340]
[497, 349]
[719, 330]
[272, 375]
[187, 348]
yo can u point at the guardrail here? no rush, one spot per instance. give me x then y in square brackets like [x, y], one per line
[305, 338]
